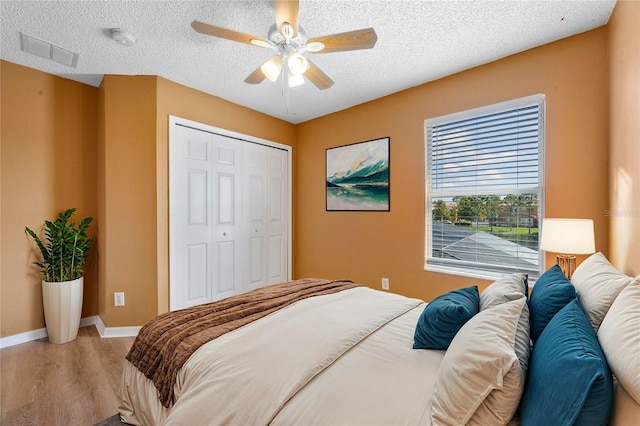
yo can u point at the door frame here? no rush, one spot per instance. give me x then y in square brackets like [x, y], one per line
[179, 121]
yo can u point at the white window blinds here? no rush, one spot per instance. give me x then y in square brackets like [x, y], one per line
[484, 173]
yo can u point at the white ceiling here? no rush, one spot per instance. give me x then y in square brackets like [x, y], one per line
[418, 41]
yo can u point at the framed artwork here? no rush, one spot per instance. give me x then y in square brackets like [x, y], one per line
[357, 176]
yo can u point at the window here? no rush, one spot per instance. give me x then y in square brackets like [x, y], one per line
[484, 183]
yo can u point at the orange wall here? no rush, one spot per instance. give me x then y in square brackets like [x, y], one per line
[624, 210]
[367, 246]
[128, 199]
[49, 151]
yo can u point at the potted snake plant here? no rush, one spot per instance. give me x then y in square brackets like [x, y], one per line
[64, 252]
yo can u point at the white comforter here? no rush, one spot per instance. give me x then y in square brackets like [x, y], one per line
[344, 358]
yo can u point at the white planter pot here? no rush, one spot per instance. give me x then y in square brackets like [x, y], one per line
[62, 309]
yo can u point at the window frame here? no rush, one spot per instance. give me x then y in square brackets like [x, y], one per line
[457, 267]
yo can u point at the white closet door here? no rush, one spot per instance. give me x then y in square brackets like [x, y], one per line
[277, 215]
[229, 216]
[227, 246]
[265, 219]
[190, 218]
[255, 214]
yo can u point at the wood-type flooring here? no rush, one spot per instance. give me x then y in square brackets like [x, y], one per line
[70, 384]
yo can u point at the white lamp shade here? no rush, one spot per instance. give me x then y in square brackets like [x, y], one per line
[297, 64]
[271, 68]
[568, 236]
[295, 80]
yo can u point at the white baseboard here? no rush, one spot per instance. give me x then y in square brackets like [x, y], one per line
[25, 337]
[108, 332]
[105, 332]
[86, 322]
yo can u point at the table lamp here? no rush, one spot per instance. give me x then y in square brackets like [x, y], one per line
[568, 237]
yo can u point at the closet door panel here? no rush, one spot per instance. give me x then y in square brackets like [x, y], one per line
[227, 254]
[254, 203]
[189, 219]
[278, 219]
[197, 282]
[256, 256]
[226, 199]
[226, 273]
[197, 197]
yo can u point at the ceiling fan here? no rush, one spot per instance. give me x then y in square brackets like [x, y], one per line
[289, 42]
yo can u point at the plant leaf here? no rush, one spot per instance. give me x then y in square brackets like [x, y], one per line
[65, 250]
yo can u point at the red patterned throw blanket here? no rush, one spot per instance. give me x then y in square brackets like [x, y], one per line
[166, 342]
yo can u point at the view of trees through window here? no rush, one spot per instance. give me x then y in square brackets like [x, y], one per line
[497, 230]
[513, 217]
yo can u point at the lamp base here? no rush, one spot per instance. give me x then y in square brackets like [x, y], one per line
[567, 263]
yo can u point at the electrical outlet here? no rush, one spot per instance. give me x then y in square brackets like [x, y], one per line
[118, 299]
[385, 283]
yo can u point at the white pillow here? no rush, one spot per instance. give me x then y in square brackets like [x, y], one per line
[505, 289]
[480, 380]
[619, 336]
[597, 284]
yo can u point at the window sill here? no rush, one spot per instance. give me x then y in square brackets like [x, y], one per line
[483, 275]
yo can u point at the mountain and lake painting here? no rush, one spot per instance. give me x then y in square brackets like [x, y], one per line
[358, 176]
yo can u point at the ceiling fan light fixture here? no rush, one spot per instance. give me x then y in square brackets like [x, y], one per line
[271, 68]
[286, 29]
[297, 64]
[287, 39]
[315, 46]
[295, 80]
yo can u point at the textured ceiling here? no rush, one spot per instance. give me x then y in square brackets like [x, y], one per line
[418, 41]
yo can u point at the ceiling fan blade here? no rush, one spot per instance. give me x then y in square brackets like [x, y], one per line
[287, 11]
[352, 40]
[255, 77]
[318, 77]
[220, 32]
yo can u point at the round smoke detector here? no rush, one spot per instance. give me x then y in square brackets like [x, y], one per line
[123, 37]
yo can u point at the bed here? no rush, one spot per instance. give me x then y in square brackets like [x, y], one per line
[347, 357]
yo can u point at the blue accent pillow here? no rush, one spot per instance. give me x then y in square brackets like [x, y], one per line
[551, 292]
[568, 381]
[444, 316]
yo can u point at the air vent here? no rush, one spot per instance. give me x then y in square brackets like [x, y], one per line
[48, 51]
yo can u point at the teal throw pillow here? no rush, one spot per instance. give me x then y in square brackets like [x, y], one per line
[568, 381]
[444, 316]
[551, 292]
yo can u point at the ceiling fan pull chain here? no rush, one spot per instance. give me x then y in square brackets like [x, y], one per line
[285, 83]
